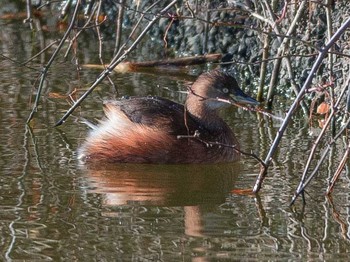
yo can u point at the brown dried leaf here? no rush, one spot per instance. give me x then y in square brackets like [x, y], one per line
[323, 108]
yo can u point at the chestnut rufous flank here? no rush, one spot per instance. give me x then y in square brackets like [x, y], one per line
[156, 130]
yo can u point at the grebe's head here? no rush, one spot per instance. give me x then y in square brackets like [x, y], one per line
[217, 89]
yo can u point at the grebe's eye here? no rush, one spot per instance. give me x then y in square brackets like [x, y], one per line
[225, 90]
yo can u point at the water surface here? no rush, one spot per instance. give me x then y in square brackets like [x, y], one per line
[55, 208]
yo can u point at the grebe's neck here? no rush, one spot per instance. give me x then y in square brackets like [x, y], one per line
[198, 108]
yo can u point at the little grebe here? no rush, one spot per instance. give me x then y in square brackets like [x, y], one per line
[157, 130]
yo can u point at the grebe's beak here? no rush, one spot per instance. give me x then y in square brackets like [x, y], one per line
[242, 98]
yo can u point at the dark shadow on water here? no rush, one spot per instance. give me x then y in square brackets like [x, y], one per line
[166, 185]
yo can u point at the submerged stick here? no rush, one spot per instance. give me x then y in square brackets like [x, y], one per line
[139, 66]
[115, 61]
[296, 103]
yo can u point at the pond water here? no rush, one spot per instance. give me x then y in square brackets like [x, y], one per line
[52, 207]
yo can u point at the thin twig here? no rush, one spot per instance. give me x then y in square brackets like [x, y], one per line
[263, 67]
[133, 31]
[330, 65]
[65, 8]
[39, 53]
[119, 26]
[206, 27]
[280, 52]
[29, 19]
[100, 41]
[166, 32]
[211, 143]
[348, 96]
[17, 63]
[255, 109]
